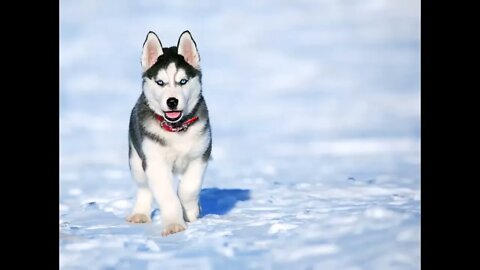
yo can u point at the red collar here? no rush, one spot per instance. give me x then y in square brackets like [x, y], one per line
[166, 126]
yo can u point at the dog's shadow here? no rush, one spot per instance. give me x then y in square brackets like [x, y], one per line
[218, 201]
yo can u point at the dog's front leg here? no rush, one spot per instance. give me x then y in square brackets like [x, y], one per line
[189, 189]
[160, 180]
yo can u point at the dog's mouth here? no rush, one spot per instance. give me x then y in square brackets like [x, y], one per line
[173, 116]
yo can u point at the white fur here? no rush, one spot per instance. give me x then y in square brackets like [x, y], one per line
[171, 71]
[143, 201]
[189, 188]
[160, 180]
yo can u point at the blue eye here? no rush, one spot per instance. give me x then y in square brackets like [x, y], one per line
[183, 81]
[160, 82]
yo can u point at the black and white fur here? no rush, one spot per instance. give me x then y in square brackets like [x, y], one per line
[156, 155]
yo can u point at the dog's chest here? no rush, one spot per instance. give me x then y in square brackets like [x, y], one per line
[182, 147]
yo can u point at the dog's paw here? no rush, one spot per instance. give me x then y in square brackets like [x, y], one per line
[139, 218]
[191, 215]
[172, 228]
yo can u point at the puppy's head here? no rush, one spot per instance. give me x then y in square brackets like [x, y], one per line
[171, 76]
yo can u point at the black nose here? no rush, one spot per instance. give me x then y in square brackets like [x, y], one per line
[172, 103]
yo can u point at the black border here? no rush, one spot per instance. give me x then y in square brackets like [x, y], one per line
[443, 166]
[31, 125]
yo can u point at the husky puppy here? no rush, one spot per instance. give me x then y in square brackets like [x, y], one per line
[169, 134]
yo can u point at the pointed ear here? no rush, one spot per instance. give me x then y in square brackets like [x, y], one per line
[152, 49]
[188, 49]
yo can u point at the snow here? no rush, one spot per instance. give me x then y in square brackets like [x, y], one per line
[315, 110]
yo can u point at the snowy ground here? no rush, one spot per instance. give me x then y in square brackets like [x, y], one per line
[315, 109]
